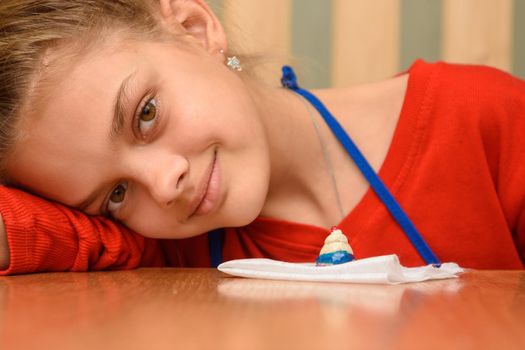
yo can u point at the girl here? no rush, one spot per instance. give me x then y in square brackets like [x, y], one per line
[135, 110]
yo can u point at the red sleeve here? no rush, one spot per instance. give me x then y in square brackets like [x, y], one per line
[512, 166]
[490, 102]
[502, 126]
[46, 236]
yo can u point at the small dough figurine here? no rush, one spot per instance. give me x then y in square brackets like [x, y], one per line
[336, 249]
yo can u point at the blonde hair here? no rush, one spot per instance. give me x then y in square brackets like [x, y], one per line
[28, 28]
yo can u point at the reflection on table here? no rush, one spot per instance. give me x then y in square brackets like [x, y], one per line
[203, 308]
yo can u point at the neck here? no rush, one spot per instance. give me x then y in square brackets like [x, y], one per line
[300, 186]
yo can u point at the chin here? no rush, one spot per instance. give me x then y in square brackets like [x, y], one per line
[243, 220]
[243, 212]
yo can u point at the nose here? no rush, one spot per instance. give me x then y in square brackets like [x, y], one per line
[165, 177]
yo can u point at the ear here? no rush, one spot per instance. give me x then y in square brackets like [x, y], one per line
[195, 19]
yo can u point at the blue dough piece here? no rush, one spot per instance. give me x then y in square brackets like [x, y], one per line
[334, 258]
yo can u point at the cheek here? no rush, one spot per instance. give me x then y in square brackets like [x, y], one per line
[215, 107]
[151, 221]
[238, 129]
[246, 178]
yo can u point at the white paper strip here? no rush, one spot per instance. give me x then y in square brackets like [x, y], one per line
[381, 269]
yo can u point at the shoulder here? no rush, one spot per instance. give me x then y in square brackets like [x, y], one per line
[471, 95]
[480, 111]
[474, 85]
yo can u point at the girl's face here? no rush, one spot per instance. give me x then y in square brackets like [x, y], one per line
[165, 139]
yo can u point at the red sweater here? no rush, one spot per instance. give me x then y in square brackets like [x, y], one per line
[456, 165]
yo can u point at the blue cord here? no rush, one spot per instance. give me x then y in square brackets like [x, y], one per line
[215, 241]
[289, 80]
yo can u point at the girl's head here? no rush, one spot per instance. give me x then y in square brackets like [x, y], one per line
[125, 108]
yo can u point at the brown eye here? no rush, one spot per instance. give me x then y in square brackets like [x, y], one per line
[147, 117]
[116, 198]
[149, 111]
[118, 194]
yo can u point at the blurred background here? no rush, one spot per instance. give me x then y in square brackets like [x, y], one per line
[345, 42]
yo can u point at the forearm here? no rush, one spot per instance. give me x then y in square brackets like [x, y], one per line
[46, 236]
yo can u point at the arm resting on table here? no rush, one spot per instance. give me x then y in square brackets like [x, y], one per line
[43, 236]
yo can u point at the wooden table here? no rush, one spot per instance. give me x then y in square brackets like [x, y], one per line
[205, 309]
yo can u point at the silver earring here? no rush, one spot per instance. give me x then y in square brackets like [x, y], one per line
[233, 62]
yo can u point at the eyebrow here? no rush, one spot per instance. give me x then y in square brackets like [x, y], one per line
[119, 111]
[117, 124]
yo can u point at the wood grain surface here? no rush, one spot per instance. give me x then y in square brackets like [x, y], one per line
[205, 309]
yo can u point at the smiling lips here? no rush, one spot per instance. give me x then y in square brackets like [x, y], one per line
[208, 191]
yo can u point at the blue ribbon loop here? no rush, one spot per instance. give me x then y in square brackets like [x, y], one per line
[289, 80]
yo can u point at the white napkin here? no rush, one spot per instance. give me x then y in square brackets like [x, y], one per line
[380, 269]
